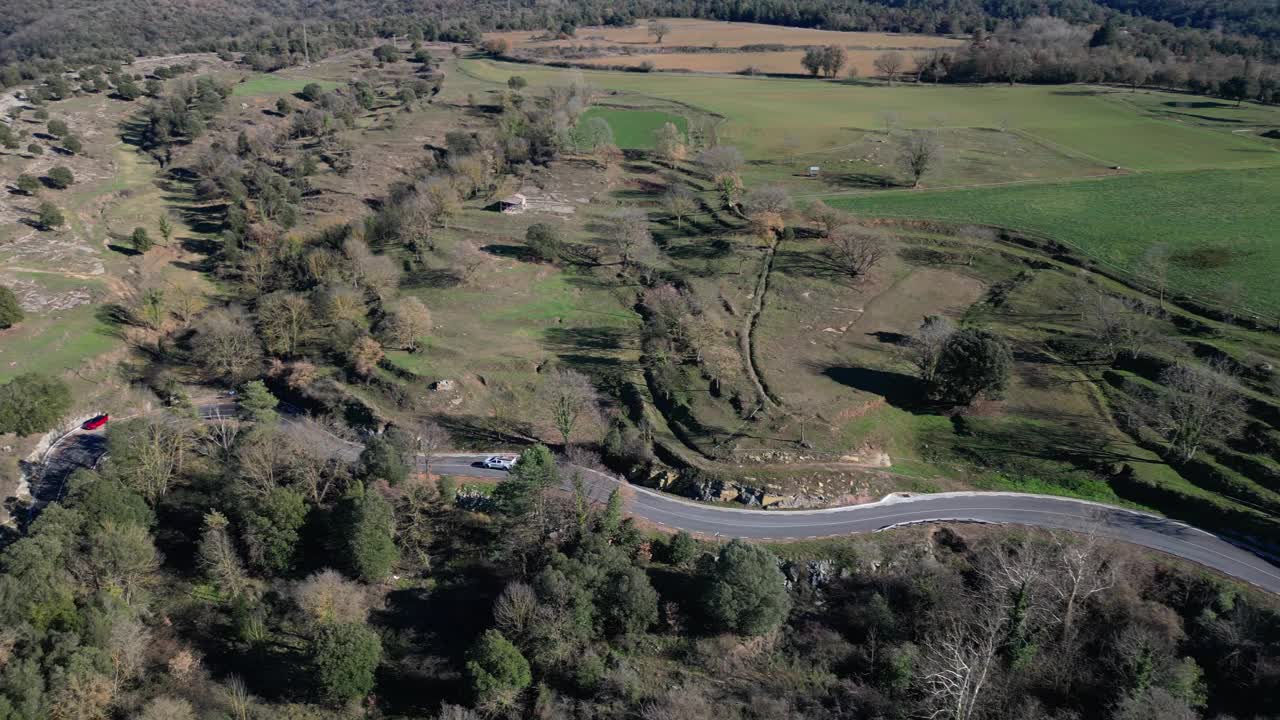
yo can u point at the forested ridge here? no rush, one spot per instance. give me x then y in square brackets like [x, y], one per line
[80, 28]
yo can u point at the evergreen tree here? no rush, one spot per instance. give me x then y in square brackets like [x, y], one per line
[746, 592]
[370, 531]
[497, 668]
[257, 403]
[33, 403]
[10, 310]
[345, 658]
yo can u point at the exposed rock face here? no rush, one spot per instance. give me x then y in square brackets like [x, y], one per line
[813, 575]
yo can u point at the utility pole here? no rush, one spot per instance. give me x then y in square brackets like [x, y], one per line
[306, 51]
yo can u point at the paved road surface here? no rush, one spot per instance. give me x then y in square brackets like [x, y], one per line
[1174, 538]
[1149, 531]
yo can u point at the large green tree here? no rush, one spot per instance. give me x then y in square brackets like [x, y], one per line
[628, 602]
[257, 403]
[32, 403]
[972, 362]
[521, 493]
[745, 591]
[497, 669]
[272, 526]
[383, 459]
[344, 658]
[370, 531]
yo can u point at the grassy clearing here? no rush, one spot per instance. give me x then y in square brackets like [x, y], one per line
[786, 62]
[634, 129]
[706, 33]
[1215, 222]
[271, 84]
[773, 117]
[55, 341]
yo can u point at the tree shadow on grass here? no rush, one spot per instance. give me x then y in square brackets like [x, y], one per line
[1084, 447]
[484, 433]
[434, 278]
[899, 390]
[815, 264]
[861, 180]
[515, 252]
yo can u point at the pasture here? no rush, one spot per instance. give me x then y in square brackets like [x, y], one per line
[777, 117]
[1108, 170]
[783, 62]
[1216, 222]
[687, 32]
[272, 84]
[634, 128]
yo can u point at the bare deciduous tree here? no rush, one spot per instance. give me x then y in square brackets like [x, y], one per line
[283, 320]
[328, 598]
[1153, 267]
[925, 347]
[890, 64]
[679, 201]
[629, 233]
[225, 346]
[167, 708]
[920, 153]
[1199, 404]
[856, 251]
[147, 454]
[567, 395]
[1084, 569]
[658, 30]
[516, 610]
[767, 199]
[1121, 325]
[669, 143]
[365, 354]
[407, 322]
[721, 159]
[431, 439]
[826, 217]
[127, 647]
[957, 666]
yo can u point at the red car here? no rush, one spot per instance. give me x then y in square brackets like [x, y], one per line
[95, 423]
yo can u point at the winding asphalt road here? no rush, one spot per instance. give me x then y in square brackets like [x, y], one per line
[84, 449]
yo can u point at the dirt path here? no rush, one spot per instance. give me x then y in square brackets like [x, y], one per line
[746, 334]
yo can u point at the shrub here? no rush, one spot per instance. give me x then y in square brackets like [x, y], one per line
[498, 671]
[61, 177]
[32, 403]
[10, 311]
[141, 240]
[49, 216]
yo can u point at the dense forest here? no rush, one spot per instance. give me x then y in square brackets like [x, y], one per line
[237, 571]
[88, 29]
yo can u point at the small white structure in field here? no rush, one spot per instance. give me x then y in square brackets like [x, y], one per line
[514, 204]
[814, 170]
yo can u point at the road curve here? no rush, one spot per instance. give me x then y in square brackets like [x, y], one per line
[1149, 531]
[84, 449]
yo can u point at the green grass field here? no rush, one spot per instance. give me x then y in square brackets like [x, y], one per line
[633, 129]
[58, 341]
[1149, 167]
[1216, 222]
[772, 117]
[266, 84]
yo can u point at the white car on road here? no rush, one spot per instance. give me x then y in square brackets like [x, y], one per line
[500, 462]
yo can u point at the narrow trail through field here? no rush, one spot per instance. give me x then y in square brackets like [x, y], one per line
[746, 336]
